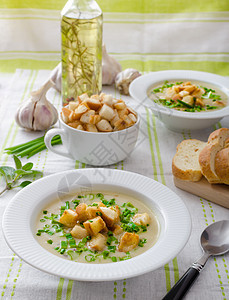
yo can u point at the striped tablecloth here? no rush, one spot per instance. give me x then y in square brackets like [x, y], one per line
[150, 36]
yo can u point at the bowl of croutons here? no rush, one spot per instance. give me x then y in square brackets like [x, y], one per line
[98, 130]
[183, 99]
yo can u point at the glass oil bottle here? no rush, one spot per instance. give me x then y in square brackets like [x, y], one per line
[81, 49]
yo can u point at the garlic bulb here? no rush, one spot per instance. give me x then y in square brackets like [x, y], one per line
[55, 76]
[37, 113]
[110, 68]
[124, 79]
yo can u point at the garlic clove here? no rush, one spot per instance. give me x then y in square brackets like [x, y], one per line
[37, 113]
[24, 115]
[124, 79]
[44, 116]
[55, 76]
[110, 68]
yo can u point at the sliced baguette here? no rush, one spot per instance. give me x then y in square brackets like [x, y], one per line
[216, 142]
[185, 164]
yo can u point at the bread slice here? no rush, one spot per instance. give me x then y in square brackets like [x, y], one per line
[216, 142]
[222, 165]
[185, 164]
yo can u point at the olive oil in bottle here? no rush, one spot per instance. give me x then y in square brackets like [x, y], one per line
[81, 51]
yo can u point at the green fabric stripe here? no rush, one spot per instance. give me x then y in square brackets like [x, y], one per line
[59, 289]
[159, 21]
[116, 16]
[147, 6]
[69, 290]
[6, 159]
[166, 266]
[7, 276]
[151, 145]
[217, 67]
[10, 65]
[158, 150]
[221, 68]
[175, 263]
[126, 20]
[167, 277]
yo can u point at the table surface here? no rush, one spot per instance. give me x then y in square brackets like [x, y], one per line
[154, 36]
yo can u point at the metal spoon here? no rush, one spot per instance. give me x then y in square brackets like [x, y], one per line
[214, 241]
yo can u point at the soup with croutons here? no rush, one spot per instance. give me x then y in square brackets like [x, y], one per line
[189, 96]
[97, 227]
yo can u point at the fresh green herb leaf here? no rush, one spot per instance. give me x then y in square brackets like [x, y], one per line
[184, 103]
[49, 241]
[142, 242]
[63, 245]
[25, 183]
[17, 162]
[28, 166]
[90, 258]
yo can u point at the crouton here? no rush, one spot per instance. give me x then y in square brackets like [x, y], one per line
[78, 232]
[73, 105]
[128, 120]
[189, 88]
[80, 127]
[128, 242]
[120, 105]
[184, 93]
[122, 112]
[81, 210]
[64, 118]
[115, 118]
[120, 125]
[106, 112]
[100, 203]
[107, 99]
[132, 117]
[188, 99]
[132, 111]
[69, 218]
[94, 119]
[104, 126]
[91, 128]
[199, 102]
[94, 104]
[92, 212]
[74, 124]
[110, 215]
[94, 226]
[117, 229]
[86, 116]
[81, 109]
[82, 97]
[98, 242]
[67, 115]
[141, 219]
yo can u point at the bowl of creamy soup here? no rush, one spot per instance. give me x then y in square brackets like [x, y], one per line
[183, 100]
[96, 224]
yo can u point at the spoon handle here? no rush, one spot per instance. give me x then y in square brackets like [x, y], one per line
[181, 287]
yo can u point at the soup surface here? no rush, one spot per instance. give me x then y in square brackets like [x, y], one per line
[190, 96]
[97, 227]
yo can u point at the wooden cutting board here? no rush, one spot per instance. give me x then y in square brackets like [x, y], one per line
[217, 193]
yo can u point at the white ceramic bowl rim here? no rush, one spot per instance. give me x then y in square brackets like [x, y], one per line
[139, 87]
[24, 208]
